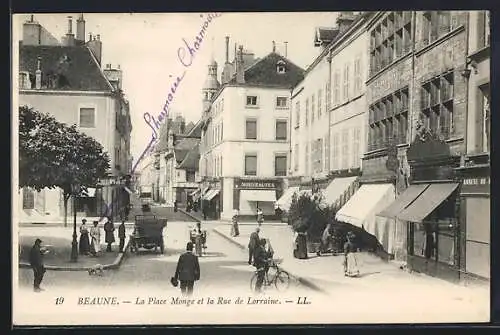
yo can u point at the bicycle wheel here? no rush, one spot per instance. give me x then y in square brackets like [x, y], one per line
[282, 280]
[253, 281]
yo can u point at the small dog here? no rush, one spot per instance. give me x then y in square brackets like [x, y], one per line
[96, 270]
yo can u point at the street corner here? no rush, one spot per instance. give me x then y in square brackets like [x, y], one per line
[223, 232]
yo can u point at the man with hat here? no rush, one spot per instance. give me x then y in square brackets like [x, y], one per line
[36, 262]
[188, 270]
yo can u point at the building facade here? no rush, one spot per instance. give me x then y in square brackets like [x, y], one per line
[243, 170]
[66, 80]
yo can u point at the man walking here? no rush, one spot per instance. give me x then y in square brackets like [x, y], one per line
[121, 235]
[188, 270]
[36, 262]
[252, 244]
[109, 231]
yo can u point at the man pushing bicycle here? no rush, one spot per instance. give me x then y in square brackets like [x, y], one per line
[262, 260]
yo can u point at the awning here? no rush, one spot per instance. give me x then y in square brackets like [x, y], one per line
[285, 200]
[363, 205]
[89, 193]
[210, 194]
[403, 200]
[194, 192]
[427, 202]
[336, 188]
[258, 195]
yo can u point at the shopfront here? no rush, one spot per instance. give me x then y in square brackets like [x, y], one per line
[475, 218]
[212, 198]
[250, 194]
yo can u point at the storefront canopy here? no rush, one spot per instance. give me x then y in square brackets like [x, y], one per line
[403, 200]
[258, 195]
[363, 205]
[210, 194]
[286, 199]
[336, 188]
[427, 202]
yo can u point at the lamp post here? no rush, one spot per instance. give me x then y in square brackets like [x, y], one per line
[74, 244]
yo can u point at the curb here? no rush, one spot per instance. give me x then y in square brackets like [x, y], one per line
[190, 215]
[113, 266]
[306, 282]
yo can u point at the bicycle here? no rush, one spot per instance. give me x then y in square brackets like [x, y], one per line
[275, 275]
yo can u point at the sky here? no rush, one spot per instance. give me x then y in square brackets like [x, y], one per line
[145, 45]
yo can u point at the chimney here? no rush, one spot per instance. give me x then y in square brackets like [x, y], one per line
[274, 46]
[38, 74]
[80, 28]
[32, 32]
[286, 49]
[70, 37]
[227, 49]
[344, 21]
[95, 45]
[240, 74]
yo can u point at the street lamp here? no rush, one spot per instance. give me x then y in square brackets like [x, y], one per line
[75, 189]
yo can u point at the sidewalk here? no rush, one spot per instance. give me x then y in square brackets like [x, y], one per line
[61, 237]
[326, 272]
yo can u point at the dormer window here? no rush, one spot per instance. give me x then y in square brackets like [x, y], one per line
[280, 67]
[24, 80]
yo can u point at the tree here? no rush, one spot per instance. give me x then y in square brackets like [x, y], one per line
[53, 154]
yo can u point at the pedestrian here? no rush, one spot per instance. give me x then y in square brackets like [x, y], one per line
[260, 216]
[175, 205]
[84, 244]
[187, 270]
[350, 260]
[95, 239]
[253, 243]
[121, 235]
[198, 236]
[261, 262]
[36, 262]
[109, 229]
[325, 240]
[235, 230]
[205, 212]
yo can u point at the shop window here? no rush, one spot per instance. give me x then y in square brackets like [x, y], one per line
[251, 130]
[390, 39]
[28, 198]
[280, 165]
[281, 130]
[250, 165]
[437, 104]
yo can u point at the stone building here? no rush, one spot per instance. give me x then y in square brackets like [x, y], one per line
[66, 79]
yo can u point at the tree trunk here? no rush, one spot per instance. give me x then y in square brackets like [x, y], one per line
[66, 198]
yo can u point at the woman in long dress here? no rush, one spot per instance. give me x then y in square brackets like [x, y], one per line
[95, 242]
[198, 239]
[84, 239]
[350, 261]
[235, 231]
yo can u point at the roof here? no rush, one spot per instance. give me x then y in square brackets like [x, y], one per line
[263, 73]
[183, 147]
[191, 160]
[325, 35]
[76, 66]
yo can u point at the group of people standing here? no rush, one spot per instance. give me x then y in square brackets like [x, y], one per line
[90, 239]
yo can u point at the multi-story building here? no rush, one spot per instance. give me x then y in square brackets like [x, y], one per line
[66, 80]
[245, 139]
[417, 103]
[329, 115]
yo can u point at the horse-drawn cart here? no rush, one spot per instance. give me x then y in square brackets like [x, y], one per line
[148, 233]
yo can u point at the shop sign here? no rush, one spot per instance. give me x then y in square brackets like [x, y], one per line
[478, 184]
[256, 185]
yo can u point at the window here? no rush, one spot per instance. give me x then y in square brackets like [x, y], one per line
[388, 120]
[313, 110]
[281, 130]
[221, 130]
[346, 83]
[87, 117]
[335, 151]
[357, 76]
[320, 102]
[390, 40]
[345, 148]
[251, 100]
[307, 111]
[282, 102]
[482, 128]
[24, 80]
[356, 134]
[306, 159]
[251, 130]
[318, 155]
[437, 104]
[28, 198]
[326, 153]
[483, 29]
[280, 165]
[190, 176]
[297, 114]
[222, 105]
[280, 67]
[296, 158]
[435, 25]
[250, 165]
[328, 96]
[336, 87]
